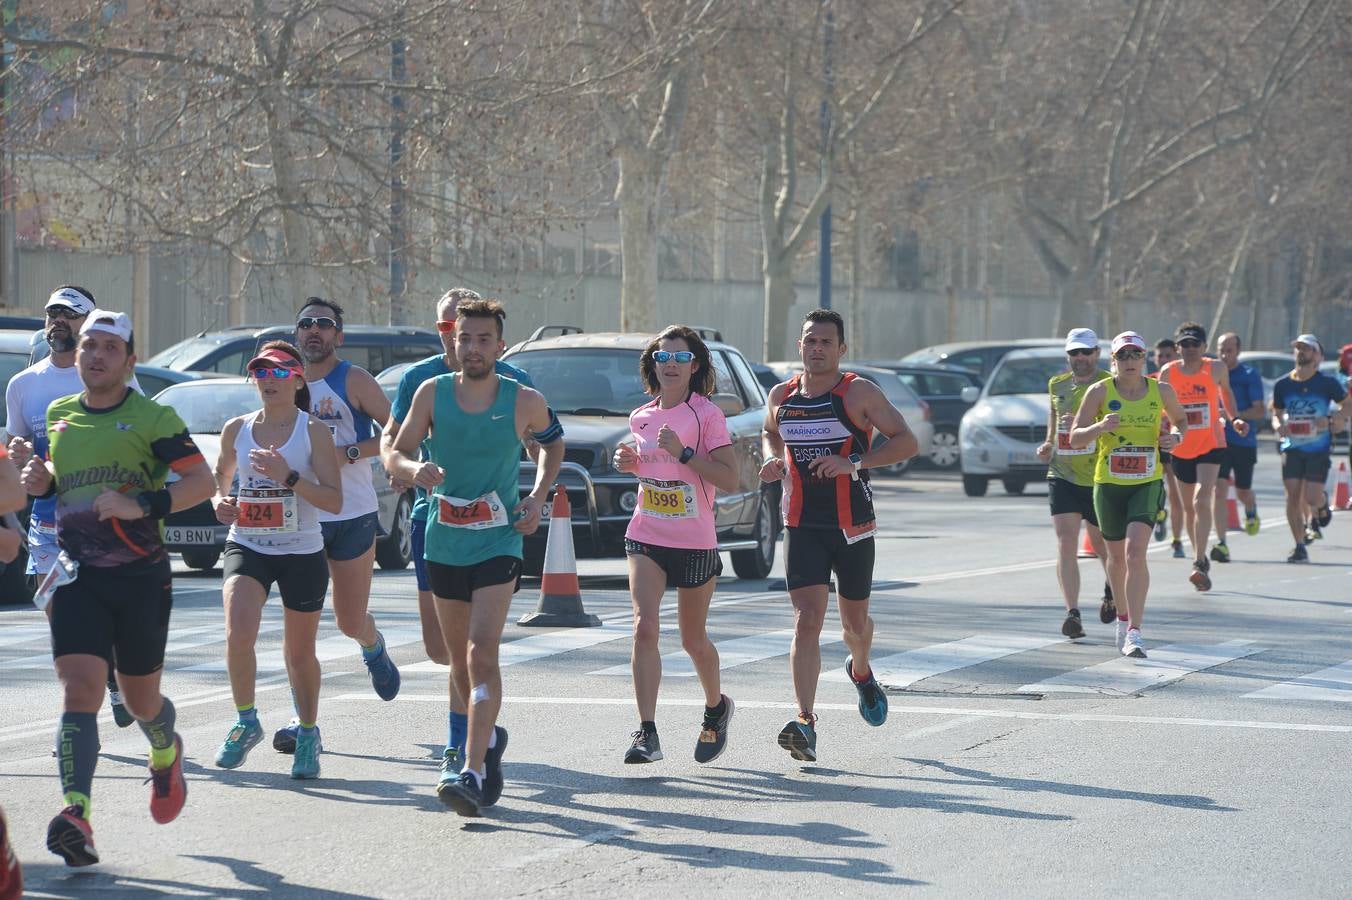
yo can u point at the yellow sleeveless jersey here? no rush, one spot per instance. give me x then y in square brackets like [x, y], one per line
[1131, 454]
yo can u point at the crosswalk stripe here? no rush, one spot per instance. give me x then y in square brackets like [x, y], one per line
[1128, 676]
[1333, 683]
[539, 646]
[336, 647]
[179, 640]
[734, 652]
[903, 669]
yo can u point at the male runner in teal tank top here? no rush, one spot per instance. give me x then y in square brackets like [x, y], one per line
[478, 421]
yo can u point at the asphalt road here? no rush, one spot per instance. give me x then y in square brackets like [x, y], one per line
[1014, 762]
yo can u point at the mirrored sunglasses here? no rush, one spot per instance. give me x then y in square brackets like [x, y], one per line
[325, 322]
[446, 326]
[278, 372]
[1129, 354]
[666, 356]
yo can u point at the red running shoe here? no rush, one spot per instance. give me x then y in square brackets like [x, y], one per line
[168, 790]
[11, 876]
[70, 837]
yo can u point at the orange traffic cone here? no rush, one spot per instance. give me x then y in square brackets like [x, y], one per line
[560, 603]
[1086, 546]
[1342, 491]
[1232, 520]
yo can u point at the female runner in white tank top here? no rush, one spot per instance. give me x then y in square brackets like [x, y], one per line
[288, 470]
[681, 453]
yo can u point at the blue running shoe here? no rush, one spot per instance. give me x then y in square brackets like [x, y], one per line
[799, 737]
[243, 737]
[462, 794]
[872, 700]
[384, 673]
[492, 790]
[284, 739]
[308, 748]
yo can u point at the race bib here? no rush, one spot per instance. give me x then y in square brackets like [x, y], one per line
[482, 512]
[1301, 426]
[1063, 447]
[38, 526]
[856, 533]
[668, 500]
[1199, 415]
[267, 511]
[1132, 463]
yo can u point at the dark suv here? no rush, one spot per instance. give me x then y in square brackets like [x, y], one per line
[373, 347]
[592, 381]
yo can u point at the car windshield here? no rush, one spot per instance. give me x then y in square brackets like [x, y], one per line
[389, 379]
[893, 388]
[584, 380]
[183, 354]
[1026, 376]
[205, 406]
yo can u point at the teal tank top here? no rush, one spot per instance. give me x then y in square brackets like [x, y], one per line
[469, 518]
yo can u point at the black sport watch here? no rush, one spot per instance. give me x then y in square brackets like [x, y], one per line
[291, 479]
[353, 453]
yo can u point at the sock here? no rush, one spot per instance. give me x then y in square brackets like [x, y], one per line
[492, 739]
[459, 729]
[1251, 511]
[716, 711]
[371, 652]
[113, 690]
[247, 715]
[77, 755]
[860, 679]
[160, 732]
[649, 727]
[1121, 618]
[307, 729]
[478, 776]
[1073, 611]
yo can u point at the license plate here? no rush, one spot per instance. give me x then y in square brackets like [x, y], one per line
[178, 534]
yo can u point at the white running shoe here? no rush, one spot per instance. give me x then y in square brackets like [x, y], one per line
[1132, 646]
[1121, 634]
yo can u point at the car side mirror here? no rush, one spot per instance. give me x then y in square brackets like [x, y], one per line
[971, 393]
[730, 404]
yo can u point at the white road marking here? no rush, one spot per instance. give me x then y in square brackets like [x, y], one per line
[1128, 676]
[330, 648]
[902, 669]
[1333, 683]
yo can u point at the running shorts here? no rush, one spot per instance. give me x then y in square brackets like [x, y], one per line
[112, 612]
[301, 578]
[812, 554]
[1069, 497]
[1119, 504]
[460, 582]
[685, 568]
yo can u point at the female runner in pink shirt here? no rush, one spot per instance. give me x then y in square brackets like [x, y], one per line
[681, 453]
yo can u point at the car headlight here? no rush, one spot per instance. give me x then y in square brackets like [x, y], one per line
[979, 434]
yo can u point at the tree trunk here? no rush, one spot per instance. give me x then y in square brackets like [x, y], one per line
[1232, 275]
[777, 272]
[857, 229]
[639, 195]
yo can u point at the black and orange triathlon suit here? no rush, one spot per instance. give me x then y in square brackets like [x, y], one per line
[1204, 436]
[830, 521]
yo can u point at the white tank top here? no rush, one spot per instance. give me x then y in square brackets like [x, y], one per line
[328, 404]
[273, 519]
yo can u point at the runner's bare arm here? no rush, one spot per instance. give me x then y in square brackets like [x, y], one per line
[224, 505]
[1174, 412]
[533, 417]
[12, 495]
[366, 395]
[1044, 449]
[1086, 428]
[403, 462]
[880, 414]
[326, 491]
[772, 444]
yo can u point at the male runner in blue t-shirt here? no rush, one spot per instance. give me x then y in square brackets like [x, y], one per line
[1241, 450]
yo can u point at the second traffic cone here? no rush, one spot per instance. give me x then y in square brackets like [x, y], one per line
[1232, 521]
[1342, 491]
[560, 603]
[1087, 546]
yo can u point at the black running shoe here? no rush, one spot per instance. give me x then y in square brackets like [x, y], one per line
[1299, 555]
[1071, 627]
[1200, 577]
[493, 767]
[799, 737]
[284, 740]
[462, 795]
[70, 837]
[1323, 515]
[646, 747]
[713, 736]
[1107, 610]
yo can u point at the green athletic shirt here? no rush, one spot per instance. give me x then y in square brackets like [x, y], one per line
[1131, 454]
[1075, 466]
[130, 448]
[469, 517]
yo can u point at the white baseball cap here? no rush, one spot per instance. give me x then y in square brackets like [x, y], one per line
[73, 298]
[109, 322]
[1309, 340]
[1128, 339]
[1081, 339]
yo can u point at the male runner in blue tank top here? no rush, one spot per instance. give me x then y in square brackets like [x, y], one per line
[347, 399]
[435, 645]
[478, 421]
[825, 419]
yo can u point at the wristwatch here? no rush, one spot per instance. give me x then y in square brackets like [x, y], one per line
[291, 479]
[858, 462]
[687, 454]
[353, 453]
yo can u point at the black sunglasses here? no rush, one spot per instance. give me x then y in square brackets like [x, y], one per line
[1189, 342]
[1081, 351]
[316, 322]
[63, 312]
[1129, 354]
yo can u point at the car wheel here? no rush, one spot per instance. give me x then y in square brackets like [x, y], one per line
[896, 469]
[757, 563]
[974, 485]
[1014, 485]
[396, 550]
[204, 559]
[944, 449]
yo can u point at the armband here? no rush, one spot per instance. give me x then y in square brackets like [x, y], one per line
[155, 504]
[553, 432]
